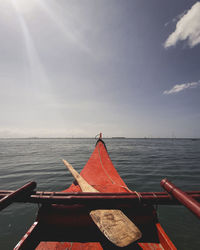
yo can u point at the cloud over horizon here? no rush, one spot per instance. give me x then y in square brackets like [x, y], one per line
[187, 28]
[179, 87]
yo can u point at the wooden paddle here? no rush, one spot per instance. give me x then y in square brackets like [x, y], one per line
[113, 223]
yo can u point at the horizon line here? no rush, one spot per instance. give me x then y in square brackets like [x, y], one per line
[108, 137]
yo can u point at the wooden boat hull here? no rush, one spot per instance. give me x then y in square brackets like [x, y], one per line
[70, 227]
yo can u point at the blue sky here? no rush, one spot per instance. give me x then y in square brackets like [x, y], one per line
[75, 68]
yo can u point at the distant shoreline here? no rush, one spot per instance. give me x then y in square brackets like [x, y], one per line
[105, 138]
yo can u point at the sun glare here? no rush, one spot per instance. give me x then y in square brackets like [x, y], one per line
[24, 6]
[37, 72]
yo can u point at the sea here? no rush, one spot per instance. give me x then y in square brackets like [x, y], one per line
[142, 163]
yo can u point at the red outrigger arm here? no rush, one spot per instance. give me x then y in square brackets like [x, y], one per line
[182, 197]
[70, 227]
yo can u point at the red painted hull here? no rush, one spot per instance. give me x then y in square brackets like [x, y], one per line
[74, 224]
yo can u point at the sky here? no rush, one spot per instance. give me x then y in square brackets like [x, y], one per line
[121, 67]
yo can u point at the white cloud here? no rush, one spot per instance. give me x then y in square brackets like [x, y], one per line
[187, 28]
[180, 87]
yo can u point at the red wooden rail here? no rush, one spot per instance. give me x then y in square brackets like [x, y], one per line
[182, 197]
[101, 199]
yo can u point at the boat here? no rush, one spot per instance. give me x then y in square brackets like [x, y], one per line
[64, 219]
[70, 227]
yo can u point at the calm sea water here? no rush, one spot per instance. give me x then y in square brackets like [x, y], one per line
[142, 163]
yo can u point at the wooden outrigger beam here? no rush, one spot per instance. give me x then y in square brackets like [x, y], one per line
[101, 200]
[20, 193]
[182, 197]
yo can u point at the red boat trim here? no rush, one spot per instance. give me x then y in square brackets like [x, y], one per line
[23, 241]
[164, 239]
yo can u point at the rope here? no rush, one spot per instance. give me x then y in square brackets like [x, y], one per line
[40, 196]
[139, 196]
[156, 206]
[98, 135]
[105, 171]
[71, 245]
